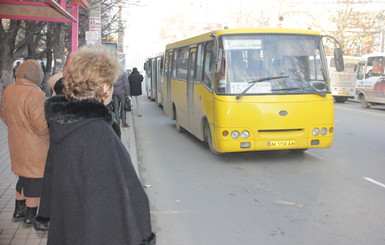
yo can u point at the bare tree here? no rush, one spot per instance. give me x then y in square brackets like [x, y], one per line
[17, 39]
[353, 22]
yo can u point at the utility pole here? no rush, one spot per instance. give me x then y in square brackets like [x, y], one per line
[121, 54]
[94, 33]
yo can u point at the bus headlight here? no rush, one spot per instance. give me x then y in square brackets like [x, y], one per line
[245, 134]
[235, 134]
[315, 131]
[324, 131]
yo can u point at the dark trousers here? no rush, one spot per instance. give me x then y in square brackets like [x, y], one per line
[119, 111]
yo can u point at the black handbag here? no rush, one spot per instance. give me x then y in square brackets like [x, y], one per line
[127, 104]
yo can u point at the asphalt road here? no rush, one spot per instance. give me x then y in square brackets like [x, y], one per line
[323, 196]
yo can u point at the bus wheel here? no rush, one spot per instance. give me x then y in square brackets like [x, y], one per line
[179, 128]
[298, 150]
[210, 141]
[364, 102]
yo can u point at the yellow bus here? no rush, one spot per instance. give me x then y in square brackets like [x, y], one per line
[251, 89]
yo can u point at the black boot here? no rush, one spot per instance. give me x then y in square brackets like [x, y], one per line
[30, 214]
[41, 223]
[19, 213]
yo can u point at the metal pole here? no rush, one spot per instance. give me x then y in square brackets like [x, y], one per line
[75, 28]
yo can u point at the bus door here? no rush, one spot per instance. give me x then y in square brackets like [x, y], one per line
[190, 86]
[153, 78]
[159, 61]
[167, 102]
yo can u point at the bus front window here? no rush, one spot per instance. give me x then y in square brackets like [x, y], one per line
[297, 58]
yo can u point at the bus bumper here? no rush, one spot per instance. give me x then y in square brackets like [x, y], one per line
[276, 144]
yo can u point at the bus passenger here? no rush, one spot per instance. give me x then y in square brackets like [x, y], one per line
[22, 110]
[121, 92]
[135, 79]
[91, 191]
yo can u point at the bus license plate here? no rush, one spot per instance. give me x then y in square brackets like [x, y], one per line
[281, 143]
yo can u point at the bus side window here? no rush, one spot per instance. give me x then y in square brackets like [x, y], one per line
[199, 66]
[174, 63]
[165, 66]
[182, 63]
[207, 76]
[361, 71]
[375, 67]
[191, 66]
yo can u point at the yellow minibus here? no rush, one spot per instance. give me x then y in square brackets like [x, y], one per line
[251, 89]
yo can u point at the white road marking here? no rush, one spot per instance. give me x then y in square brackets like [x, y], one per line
[363, 111]
[375, 182]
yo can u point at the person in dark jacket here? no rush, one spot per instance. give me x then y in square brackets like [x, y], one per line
[91, 192]
[136, 80]
[121, 92]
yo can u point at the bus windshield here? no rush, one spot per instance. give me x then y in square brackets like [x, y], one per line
[272, 64]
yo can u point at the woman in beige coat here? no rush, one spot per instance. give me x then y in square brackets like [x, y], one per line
[22, 110]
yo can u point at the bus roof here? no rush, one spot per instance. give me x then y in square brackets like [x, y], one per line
[365, 56]
[206, 36]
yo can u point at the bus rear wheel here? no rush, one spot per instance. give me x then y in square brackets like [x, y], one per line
[340, 99]
[364, 102]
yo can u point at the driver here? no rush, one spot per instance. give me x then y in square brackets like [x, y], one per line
[291, 68]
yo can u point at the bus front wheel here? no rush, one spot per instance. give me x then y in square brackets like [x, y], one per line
[210, 140]
[179, 128]
[364, 102]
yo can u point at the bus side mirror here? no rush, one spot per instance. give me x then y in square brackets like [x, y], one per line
[339, 59]
[216, 60]
[355, 67]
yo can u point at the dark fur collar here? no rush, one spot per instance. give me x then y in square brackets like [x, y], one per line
[58, 109]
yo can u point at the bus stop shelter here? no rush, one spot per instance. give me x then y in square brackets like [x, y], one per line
[49, 10]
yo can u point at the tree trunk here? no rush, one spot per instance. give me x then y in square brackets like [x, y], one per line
[7, 44]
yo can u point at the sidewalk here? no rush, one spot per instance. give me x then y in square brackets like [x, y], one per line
[14, 233]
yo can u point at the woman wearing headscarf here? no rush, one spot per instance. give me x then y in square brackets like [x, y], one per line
[91, 192]
[22, 110]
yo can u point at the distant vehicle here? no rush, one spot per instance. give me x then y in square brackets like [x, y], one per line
[251, 89]
[112, 47]
[370, 84]
[153, 77]
[147, 77]
[343, 84]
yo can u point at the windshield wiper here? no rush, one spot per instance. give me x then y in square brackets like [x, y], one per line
[258, 81]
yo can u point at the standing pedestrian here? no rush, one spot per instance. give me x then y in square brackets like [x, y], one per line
[91, 192]
[14, 69]
[43, 84]
[121, 92]
[136, 80]
[22, 110]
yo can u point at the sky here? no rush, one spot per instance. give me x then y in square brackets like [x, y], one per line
[152, 19]
[145, 23]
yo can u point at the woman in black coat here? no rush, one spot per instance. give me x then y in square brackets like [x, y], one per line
[91, 192]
